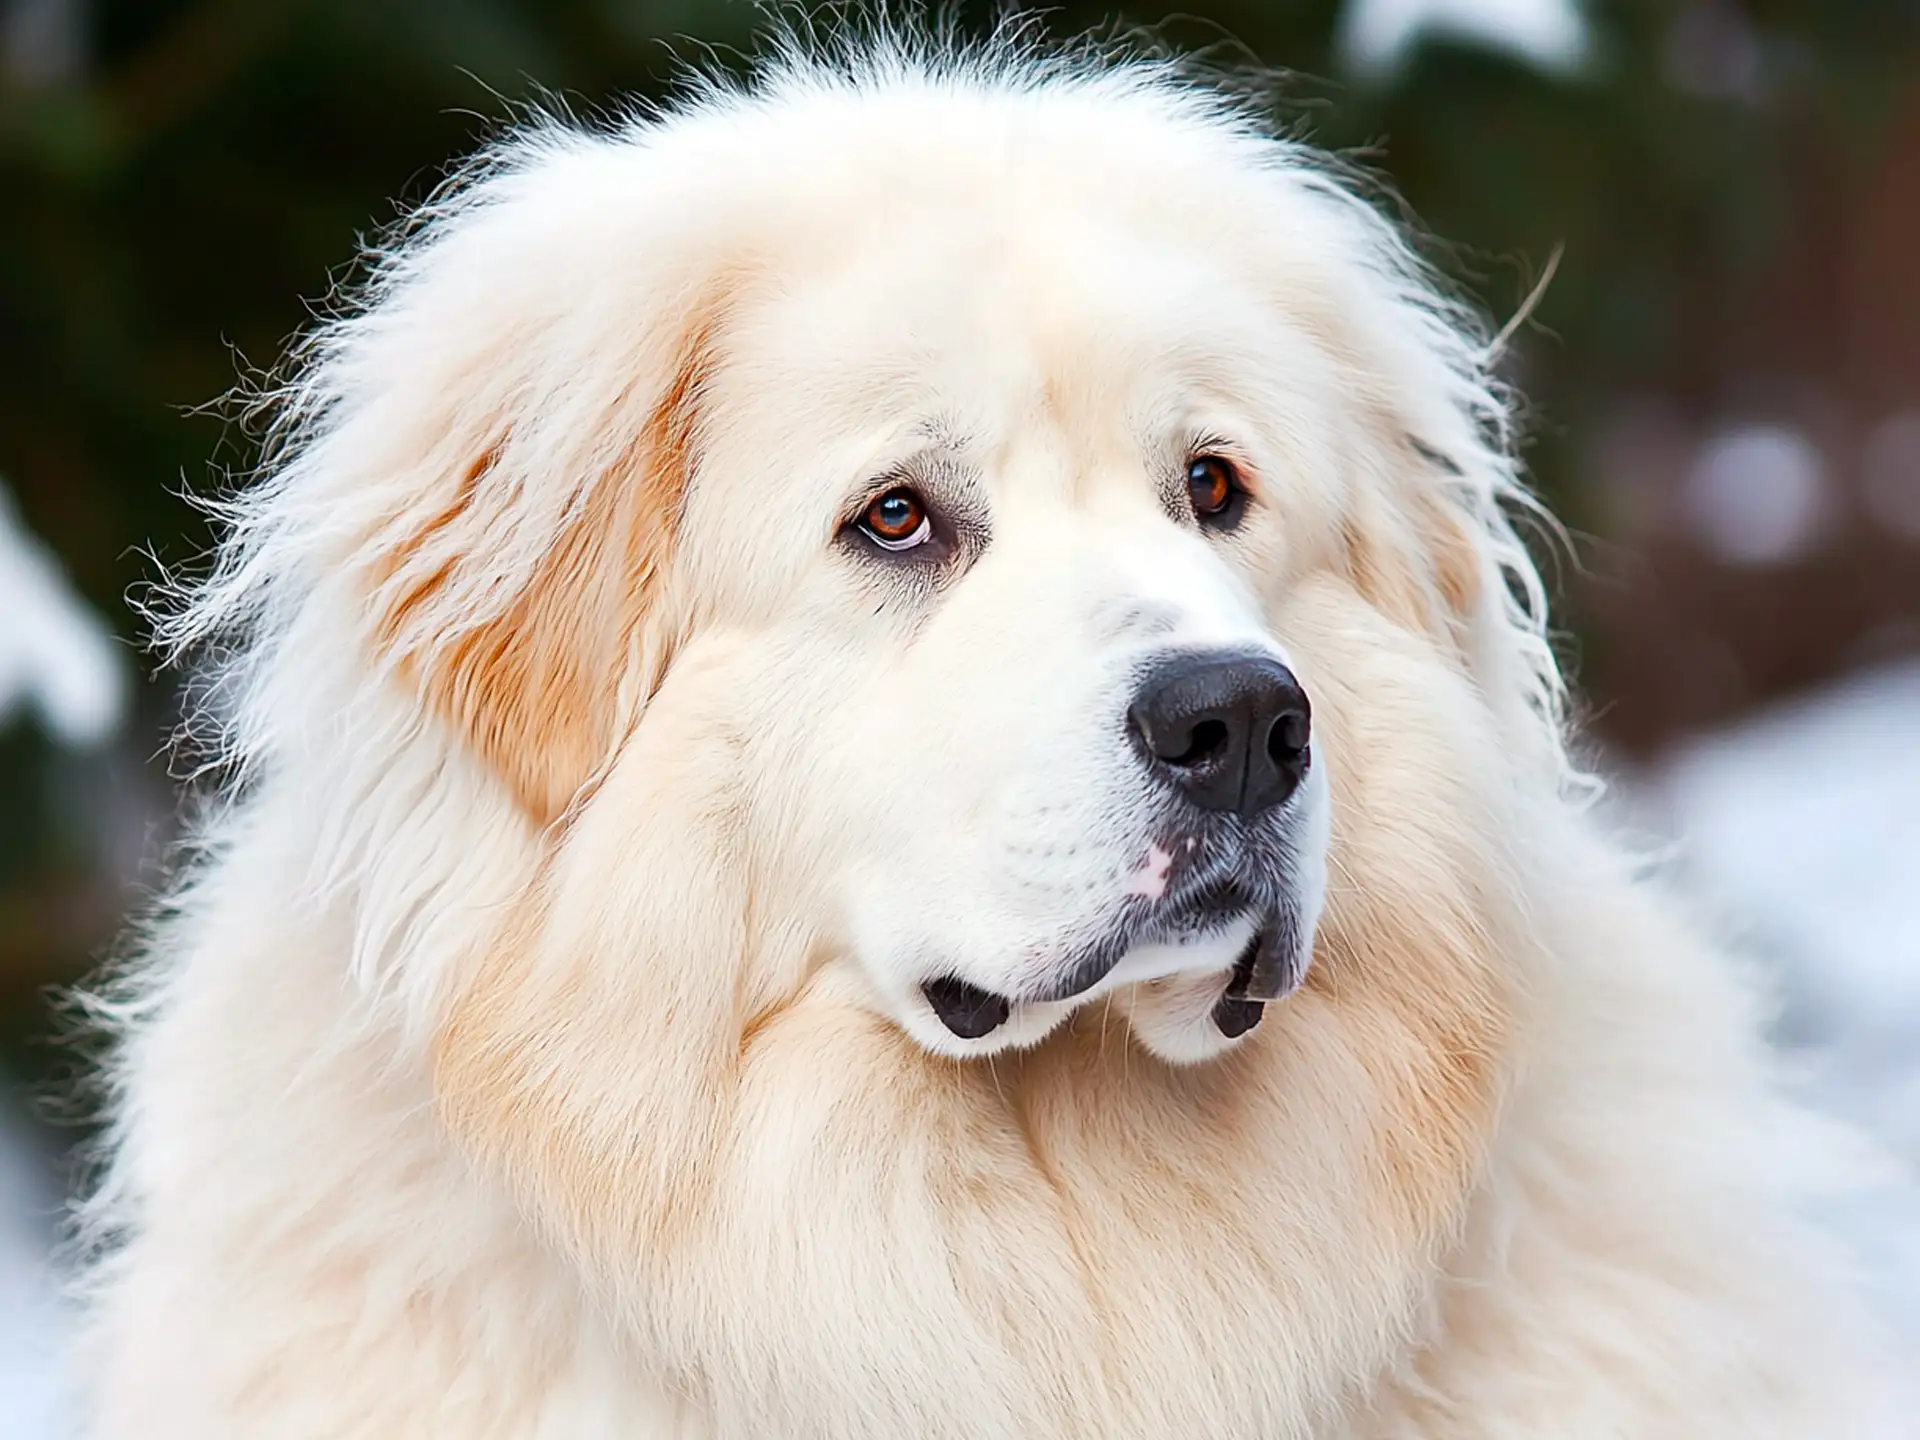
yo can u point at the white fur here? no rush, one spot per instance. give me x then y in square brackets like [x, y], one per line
[438, 1118]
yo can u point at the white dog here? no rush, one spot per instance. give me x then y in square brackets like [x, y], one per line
[895, 776]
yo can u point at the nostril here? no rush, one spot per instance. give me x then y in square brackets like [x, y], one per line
[1204, 742]
[1287, 740]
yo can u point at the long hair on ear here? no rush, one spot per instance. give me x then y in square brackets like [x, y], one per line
[444, 597]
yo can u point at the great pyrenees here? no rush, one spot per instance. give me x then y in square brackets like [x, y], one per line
[890, 771]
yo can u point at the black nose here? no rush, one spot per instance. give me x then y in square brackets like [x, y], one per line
[1228, 730]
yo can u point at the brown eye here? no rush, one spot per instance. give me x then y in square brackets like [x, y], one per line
[897, 520]
[1213, 485]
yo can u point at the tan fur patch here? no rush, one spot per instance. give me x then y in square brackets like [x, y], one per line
[534, 691]
[1384, 576]
[1427, 578]
[1429, 1022]
[1451, 551]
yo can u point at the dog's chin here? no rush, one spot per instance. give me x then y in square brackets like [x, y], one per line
[1190, 1018]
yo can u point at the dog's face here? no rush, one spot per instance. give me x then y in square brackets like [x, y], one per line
[992, 453]
[1009, 487]
[993, 509]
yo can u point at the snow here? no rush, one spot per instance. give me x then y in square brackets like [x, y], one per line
[1800, 830]
[1376, 36]
[1807, 822]
[55, 655]
[31, 1319]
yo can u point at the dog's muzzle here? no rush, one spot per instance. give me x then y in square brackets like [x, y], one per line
[1224, 738]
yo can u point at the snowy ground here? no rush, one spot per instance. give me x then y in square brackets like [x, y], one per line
[1800, 829]
[30, 1316]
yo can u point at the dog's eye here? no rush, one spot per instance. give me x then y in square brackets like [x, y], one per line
[1213, 485]
[897, 520]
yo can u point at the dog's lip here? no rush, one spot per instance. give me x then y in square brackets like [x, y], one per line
[1267, 970]
[1086, 973]
[964, 1008]
[1234, 1016]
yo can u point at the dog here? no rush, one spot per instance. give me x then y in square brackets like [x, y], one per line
[889, 768]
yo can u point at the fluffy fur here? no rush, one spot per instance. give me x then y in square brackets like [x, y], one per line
[533, 1049]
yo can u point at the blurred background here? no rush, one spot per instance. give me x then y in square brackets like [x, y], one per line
[1724, 378]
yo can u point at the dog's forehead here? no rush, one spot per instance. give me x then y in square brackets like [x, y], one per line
[981, 324]
[1065, 321]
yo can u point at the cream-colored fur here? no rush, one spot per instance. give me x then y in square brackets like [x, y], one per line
[534, 1048]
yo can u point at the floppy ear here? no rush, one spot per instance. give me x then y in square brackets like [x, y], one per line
[498, 447]
[533, 683]
[1413, 552]
[1431, 547]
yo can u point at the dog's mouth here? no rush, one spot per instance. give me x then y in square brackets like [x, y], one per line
[1267, 968]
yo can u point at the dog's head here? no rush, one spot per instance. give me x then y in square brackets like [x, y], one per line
[1017, 478]
[981, 546]
[985, 503]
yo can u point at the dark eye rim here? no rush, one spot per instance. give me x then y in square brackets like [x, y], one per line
[1228, 514]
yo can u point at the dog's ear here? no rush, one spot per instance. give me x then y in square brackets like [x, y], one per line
[533, 680]
[1431, 547]
[498, 451]
[1413, 552]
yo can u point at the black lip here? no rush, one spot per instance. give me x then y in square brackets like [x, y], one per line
[1086, 973]
[1233, 1018]
[1265, 971]
[1271, 966]
[1205, 912]
[967, 1010]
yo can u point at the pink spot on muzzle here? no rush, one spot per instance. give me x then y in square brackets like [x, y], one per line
[1150, 879]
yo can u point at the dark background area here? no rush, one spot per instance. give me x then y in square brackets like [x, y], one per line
[1724, 374]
